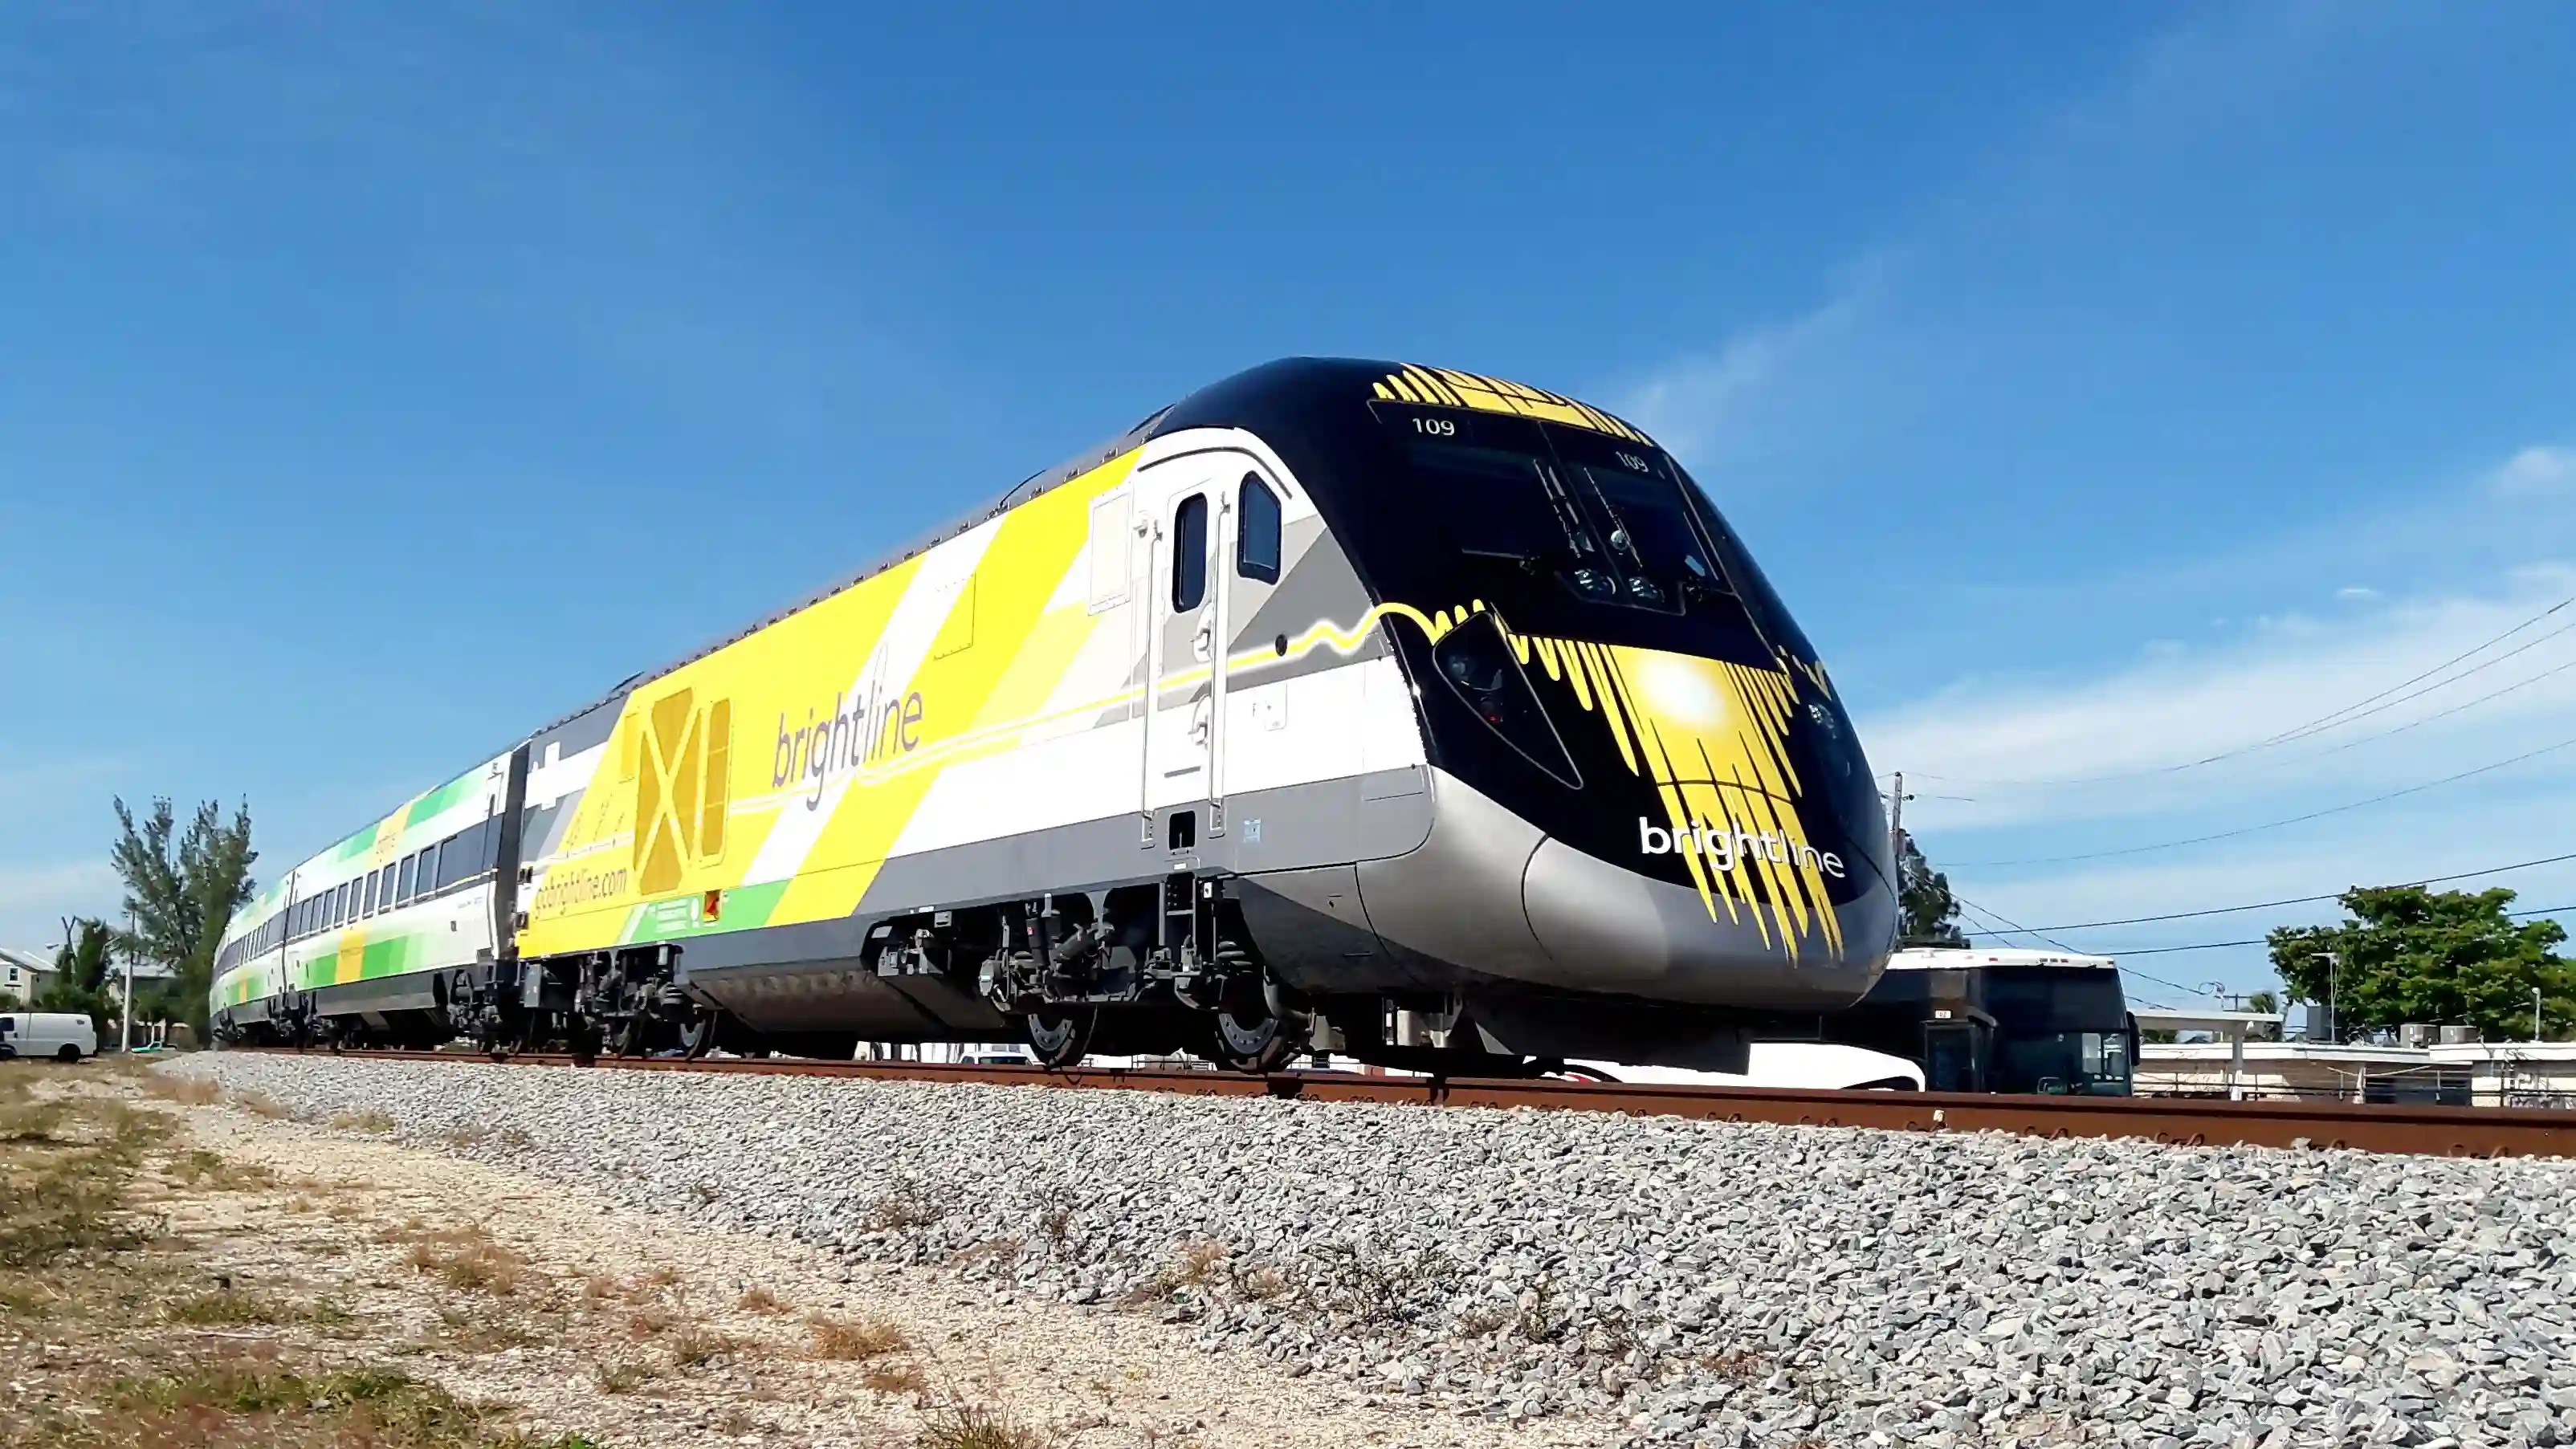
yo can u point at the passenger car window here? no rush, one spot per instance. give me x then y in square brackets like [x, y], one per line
[1256, 545]
[1189, 554]
[402, 888]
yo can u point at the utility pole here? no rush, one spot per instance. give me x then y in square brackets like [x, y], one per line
[1896, 828]
[125, 1017]
[2334, 1017]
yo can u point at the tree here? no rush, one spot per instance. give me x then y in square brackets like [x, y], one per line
[181, 889]
[79, 983]
[2263, 1001]
[1928, 913]
[2408, 954]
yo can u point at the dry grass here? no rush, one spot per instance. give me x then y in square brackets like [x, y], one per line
[227, 1306]
[844, 1340]
[66, 1170]
[695, 1347]
[908, 1205]
[186, 1091]
[374, 1120]
[255, 1403]
[895, 1378]
[625, 1376]
[198, 1166]
[136, 1353]
[976, 1426]
[260, 1104]
[599, 1290]
[759, 1300]
[1197, 1264]
[649, 1322]
[467, 1259]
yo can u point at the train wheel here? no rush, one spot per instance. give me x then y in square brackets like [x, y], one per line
[1258, 1039]
[1061, 1039]
[700, 1036]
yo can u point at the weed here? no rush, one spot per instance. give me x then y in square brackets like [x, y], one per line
[226, 1306]
[515, 1139]
[695, 1348]
[1372, 1288]
[260, 1104]
[839, 1338]
[1057, 1223]
[1195, 1266]
[991, 1250]
[759, 1300]
[895, 1378]
[908, 1205]
[198, 1167]
[63, 1185]
[464, 1138]
[187, 1091]
[599, 1288]
[971, 1426]
[648, 1322]
[470, 1332]
[374, 1119]
[626, 1376]
[467, 1259]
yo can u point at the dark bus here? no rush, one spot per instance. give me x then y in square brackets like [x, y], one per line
[1999, 1021]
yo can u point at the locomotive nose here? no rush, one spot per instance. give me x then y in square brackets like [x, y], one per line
[1490, 894]
[1615, 930]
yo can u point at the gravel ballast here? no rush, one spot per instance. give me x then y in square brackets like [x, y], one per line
[1694, 1282]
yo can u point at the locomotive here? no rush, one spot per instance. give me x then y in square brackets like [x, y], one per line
[1342, 706]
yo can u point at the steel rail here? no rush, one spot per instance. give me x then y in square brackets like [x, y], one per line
[2388, 1128]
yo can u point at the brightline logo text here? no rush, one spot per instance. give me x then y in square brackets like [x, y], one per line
[1725, 847]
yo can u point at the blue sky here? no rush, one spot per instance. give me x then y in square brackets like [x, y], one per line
[2105, 386]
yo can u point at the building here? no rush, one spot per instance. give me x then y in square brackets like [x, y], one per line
[24, 973]
[2481, 1074]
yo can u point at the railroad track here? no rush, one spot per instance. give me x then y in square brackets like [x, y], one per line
[2433, 1131]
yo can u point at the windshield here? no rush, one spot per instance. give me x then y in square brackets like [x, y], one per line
[1602, 520]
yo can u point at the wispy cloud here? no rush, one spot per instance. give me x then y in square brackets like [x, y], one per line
[1689, 403]
[2535, 472]
[2131, 741]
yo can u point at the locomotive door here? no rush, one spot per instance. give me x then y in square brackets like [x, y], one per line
[1185, 630]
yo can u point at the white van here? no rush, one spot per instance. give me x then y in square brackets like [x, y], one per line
[64, 1035]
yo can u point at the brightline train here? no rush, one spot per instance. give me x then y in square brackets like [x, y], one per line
[1343, 706]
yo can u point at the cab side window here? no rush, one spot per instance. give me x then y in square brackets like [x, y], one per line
[1256, 545]
[1189, 554]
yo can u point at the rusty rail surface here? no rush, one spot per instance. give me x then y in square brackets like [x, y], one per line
[2435, 1131]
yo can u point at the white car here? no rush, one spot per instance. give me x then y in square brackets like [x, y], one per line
[63, 1035]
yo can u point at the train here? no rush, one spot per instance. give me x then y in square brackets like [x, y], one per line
[1343, 706]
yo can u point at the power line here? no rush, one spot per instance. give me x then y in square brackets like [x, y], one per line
[2061, 945]
[2265, 941]
[2271, 824]
[2287, 900]
[2444, 714]
[2305, 733]
[2318, 725]
[2456, 658]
